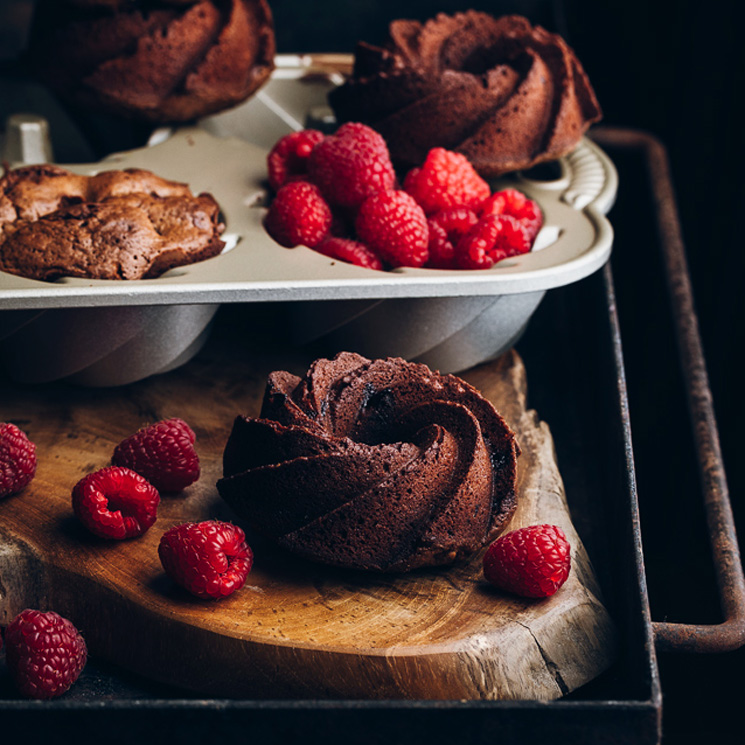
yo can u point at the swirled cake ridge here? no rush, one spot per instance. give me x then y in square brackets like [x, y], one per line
[381, 465]
[158, 61]
[504, 93]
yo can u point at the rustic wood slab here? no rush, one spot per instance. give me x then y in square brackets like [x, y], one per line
[295, 629]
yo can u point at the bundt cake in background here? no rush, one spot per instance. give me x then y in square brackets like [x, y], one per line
[381, 465]
[158, 61]
[504, 93]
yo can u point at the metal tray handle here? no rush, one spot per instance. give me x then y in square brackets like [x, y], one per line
[730, 634]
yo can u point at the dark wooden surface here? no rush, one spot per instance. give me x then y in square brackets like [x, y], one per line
[295, 630]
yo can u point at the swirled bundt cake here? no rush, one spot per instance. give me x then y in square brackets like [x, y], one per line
[154, 60]
[380, 465]
[505, 94]
[127, 224]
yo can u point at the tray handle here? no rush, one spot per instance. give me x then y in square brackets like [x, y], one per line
[730, 634]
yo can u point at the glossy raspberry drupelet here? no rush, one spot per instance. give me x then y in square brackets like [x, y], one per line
[163, 453]
[490, 240]
[533, 562]
[288, 159]
[210, 559]
[45, 653]
[351, 165]
[351, 251]
[446, 179]
[17, 459]
[516, 204]
[446, 228]
[298, 216]
[116, 503]
[394, 226]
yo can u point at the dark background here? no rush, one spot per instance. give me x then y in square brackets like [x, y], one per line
[675, 70]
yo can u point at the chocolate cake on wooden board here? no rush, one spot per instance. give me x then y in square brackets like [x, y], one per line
[127, 224]
[506, 94]
[153, 60]
[382, 465]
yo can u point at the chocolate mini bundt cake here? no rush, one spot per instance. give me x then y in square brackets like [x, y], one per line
[127, 224]
[380, 465]
[159, 61]
[505, 94]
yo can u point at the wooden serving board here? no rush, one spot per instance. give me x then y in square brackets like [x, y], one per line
[295, 629]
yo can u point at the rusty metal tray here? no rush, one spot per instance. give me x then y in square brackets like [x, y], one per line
[577, 380]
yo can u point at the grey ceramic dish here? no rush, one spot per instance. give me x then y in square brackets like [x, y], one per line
[450, 320]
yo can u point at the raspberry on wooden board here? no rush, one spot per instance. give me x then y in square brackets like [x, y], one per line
[17, 459]
[532, 562]
[163, 453]
[115, 502]
[210, 559]
[44, 652]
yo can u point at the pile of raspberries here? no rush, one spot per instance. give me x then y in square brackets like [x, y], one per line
[339, 195]
[210, 559]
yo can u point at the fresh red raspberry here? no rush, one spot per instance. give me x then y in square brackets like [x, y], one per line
[17, 460]
[353, 252]
[394, 226]
[298, 216]
[492, 239]
[288, 159]
[515, 203]
[116, 503]
[533, 562]
[163, 453]
[351, 165]
[446, 228]
[45, 653]
[446, 179]
[210, 559]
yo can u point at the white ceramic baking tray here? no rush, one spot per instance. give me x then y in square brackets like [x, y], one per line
[449, 319]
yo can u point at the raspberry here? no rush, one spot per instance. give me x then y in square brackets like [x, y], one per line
[394, 226]
[45, 653]
[17, 460]
[288, 159]
[446, 179]
[351, 165]
[446, 228]
[163, 453]
[115, 503]
[298, 216]
[353, 252]
[210, 559]
[515, 203]
[492, 239]
[533, 562]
